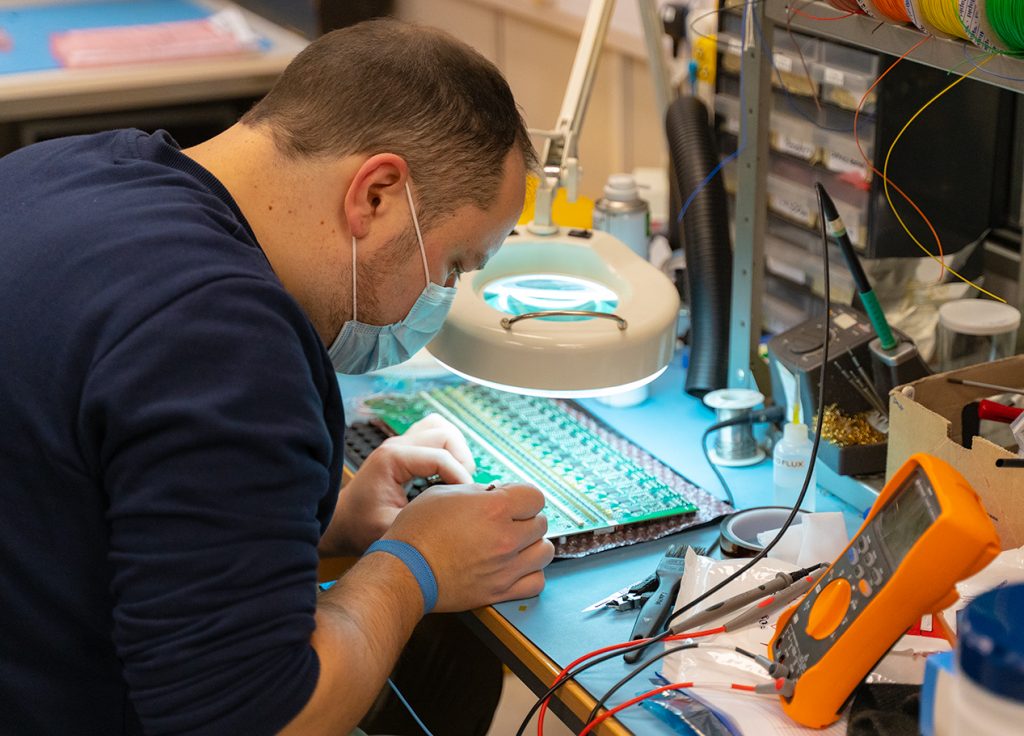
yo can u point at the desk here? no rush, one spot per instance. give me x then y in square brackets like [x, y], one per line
[57, 92]
[537, 637]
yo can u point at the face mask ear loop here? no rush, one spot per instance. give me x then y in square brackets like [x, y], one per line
[419, 235]
[353, 278]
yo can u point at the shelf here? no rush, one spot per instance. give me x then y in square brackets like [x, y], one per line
[53, 93]
[869, 33]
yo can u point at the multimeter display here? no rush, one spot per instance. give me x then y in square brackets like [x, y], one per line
[906, 517]
[927, 531]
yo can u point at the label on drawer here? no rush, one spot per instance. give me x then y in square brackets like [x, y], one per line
[834, 76]
[844, 164]
[795, 146]
[791, 208]
[782, 62]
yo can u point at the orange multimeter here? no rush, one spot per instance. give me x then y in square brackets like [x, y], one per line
[926, 531]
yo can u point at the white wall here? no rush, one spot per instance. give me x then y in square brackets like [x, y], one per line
[533, 42]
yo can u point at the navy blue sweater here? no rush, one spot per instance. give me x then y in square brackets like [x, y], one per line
[170, 451]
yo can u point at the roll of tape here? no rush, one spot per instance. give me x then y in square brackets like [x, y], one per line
[738, 532]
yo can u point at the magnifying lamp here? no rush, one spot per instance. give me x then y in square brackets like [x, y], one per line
[558, 312]
[564, 315]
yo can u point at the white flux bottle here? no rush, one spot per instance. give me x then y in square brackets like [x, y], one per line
[791, 456]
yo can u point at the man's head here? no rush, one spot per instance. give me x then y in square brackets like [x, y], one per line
[391, 104]
[386, 86]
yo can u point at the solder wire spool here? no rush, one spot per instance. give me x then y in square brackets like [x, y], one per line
[734, 446]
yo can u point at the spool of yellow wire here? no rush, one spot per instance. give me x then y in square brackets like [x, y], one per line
[944, 16]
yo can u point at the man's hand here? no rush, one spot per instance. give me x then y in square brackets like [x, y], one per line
[484, 546]
[369, 503]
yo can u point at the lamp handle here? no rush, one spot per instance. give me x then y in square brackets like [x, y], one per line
[507, 322]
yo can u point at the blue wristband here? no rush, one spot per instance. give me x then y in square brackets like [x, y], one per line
[417, 564]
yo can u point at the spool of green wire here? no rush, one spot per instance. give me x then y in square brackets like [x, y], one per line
[974, 16]
[944, 15]
[1007, 19]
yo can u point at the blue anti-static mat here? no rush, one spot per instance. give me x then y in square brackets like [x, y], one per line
[29, 27]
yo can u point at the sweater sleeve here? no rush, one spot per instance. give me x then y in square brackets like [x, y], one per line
[207, 422]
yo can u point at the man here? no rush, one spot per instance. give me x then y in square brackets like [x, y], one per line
[171, 423]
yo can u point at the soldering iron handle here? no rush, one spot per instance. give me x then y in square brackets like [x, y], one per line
[877, 318]
[860, 279]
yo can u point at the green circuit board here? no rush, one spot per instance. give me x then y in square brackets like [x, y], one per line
[590, 482]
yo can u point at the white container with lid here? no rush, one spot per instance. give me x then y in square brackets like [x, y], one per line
[973, 331]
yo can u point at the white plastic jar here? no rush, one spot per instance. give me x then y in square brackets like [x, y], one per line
[973, 331]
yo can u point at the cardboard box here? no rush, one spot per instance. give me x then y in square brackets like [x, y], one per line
[924, 416]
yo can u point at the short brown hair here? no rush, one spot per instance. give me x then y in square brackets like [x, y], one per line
[388, 86]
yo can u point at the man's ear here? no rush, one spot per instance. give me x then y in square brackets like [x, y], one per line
[376, 192]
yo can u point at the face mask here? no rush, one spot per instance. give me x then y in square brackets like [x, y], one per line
[361, 348]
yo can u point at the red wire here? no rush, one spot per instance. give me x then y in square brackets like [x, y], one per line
[611, 648]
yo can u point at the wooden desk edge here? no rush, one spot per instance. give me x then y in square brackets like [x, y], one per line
[575, 698]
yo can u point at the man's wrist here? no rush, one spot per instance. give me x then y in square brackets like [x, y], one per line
[417, 565]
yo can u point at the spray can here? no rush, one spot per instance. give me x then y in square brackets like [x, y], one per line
[621, 213]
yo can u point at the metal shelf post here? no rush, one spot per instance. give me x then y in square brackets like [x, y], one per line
[752, 166]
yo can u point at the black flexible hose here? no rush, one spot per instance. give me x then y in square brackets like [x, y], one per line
[706, 242]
